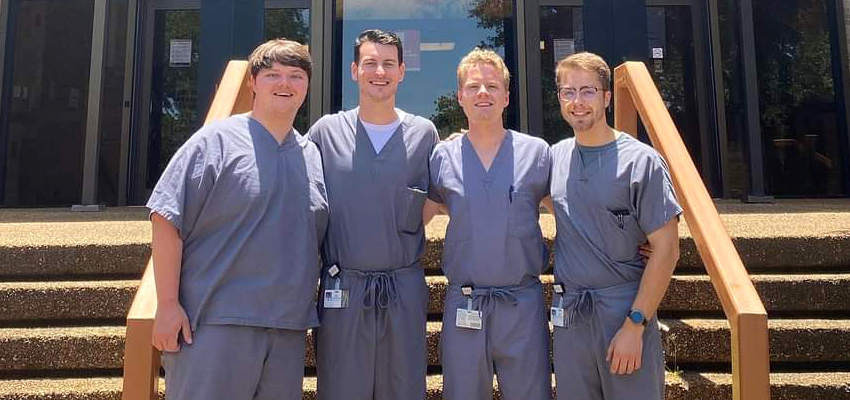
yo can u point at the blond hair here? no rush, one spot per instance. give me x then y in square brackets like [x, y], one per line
[586, 62]
[285, 52]
[486, 56]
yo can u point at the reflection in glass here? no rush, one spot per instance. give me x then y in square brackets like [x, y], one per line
[436, 35]
[671, 63]
[47, 105]
[112, 103]
[560, 35]
[174, 88]
[292, 24]
[736, 169]
[797, 98]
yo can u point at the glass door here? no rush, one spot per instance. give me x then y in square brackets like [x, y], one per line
[167, 109]
[167, 89]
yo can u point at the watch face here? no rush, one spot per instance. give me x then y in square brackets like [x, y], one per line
[636, 317]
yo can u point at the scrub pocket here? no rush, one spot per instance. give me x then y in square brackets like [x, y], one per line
[523, 217]
[409, 203]
[622, 234]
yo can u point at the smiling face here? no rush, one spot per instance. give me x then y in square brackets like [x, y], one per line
[280, 89]
[583, 113]
[483, 95]
[378, 72]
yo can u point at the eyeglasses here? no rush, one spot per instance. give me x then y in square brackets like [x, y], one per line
[585, 93]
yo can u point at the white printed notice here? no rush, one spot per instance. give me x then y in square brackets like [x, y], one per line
[180, 53]
[563, 48]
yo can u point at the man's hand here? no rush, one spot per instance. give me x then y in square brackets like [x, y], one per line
[626, 349]
[170, 319]
[455, 135]
[645, 250]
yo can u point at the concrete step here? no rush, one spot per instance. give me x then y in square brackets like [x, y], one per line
[42, 243]
[785, 293]
[689, 341]
[43, 302]
[54, 301]
[680, 386]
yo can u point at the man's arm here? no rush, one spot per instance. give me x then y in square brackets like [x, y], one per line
[170, 317]
[626, 348]
[430, 209]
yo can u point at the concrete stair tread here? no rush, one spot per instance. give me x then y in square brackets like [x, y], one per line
[66, 300]
[796, 292]
[110, 299]
[691, 386]
[688, 341]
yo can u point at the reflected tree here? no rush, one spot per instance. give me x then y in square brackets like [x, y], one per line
[449, 116]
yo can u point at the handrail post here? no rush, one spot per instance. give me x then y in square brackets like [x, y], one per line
[625, 113]
[750, 360]
[141, 359]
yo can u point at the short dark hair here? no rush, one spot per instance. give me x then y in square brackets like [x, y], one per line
[286, 52]
[379, 37]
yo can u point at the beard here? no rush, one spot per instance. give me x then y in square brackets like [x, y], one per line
[584, 124]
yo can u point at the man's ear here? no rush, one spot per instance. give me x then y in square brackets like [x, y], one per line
[401, 69]
[354, 71]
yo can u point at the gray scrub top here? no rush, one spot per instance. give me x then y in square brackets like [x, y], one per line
[251, 214]
[375, 199]
[605, 210]
[493, 237]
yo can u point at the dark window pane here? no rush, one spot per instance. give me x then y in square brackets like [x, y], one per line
[112, 103]
[671, 63]
[797, 98]
[736, 169]
[560, 35]
[47, 105]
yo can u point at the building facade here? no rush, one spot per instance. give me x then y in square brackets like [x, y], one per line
[96, 95]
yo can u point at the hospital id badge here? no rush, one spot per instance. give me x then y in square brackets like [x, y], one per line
[336, 298]
[556, 315]
[470, 319]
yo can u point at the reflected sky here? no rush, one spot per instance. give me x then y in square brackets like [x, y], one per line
[436, 35]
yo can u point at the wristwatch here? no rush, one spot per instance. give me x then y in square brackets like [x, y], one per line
[636, 316]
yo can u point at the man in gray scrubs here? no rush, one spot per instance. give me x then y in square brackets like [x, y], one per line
[611, 193]
[238, 217]
[374, 299]
[491, 182]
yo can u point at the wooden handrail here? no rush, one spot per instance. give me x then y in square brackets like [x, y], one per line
[635, 94]
[141, 359]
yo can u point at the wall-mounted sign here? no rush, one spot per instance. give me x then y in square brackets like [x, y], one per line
[563, 48]
[180, 53]
[657, 53]
[412, 52]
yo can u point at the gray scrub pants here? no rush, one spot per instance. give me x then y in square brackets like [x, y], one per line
[581, 371]
[232, 362]
[375, 348]
[513, 343]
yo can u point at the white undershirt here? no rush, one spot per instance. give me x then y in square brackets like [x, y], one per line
[379, 135]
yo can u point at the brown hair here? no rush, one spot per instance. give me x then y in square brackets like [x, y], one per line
[586, 62]
[378, 36]
[479, 55]
[286, 52]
